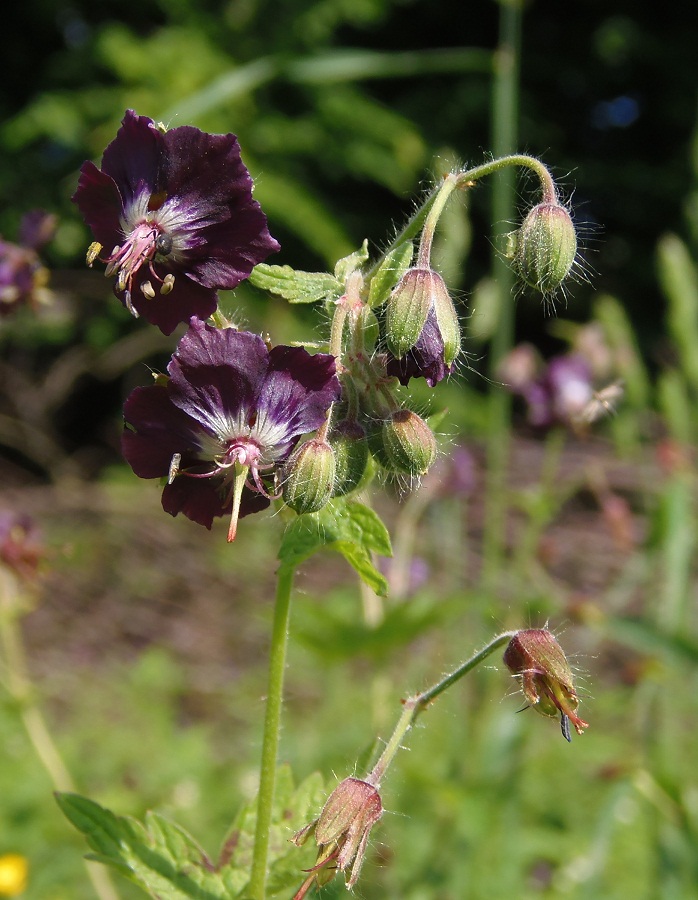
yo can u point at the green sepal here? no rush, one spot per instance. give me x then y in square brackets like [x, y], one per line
[351, 263]
[295, 286]
[390, 271]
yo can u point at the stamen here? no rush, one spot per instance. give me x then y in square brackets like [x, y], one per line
[93, 252]
[129, 306]
[167, 284]
[174, 467]
[147, 290]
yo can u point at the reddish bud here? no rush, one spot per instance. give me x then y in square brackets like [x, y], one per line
[546, 678]
[342, 831]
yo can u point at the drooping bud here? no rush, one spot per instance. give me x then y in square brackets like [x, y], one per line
[545, 247]
[547, 682]
[350, 445]
[342, 831]
[422, 329]
[404, 444]
[419, 292]
[308, 477]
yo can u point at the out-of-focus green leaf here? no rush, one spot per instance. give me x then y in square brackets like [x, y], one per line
[679, 280]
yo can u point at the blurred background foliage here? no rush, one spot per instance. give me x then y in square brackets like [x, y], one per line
[147, 639]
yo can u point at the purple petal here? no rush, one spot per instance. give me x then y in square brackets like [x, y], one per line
[186, 299]
[101, 205]
[425, 359]
[217, 373]
[298, 389]
[161, 430]
[134, 159]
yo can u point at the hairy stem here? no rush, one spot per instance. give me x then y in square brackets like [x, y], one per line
[416, 705]
[270, 743]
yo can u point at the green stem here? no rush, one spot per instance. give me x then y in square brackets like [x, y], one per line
[270, 743]
[465, 180]
[20, 688]
[504, 138]
[448, 185]
[416, 705]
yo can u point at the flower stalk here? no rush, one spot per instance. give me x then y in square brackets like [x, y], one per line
[256, 889]
[414, 706]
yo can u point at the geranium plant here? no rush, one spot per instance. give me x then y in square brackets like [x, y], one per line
[237, 423]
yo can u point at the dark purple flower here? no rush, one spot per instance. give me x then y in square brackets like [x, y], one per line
[177, 209]
[227, 417]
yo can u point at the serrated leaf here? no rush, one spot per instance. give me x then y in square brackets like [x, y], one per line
[159, 856]
[293, 808]
[349, 528]
[351, 263]
[295, 286]
[390, 271]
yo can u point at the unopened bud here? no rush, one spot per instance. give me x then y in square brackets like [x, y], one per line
[404, 444]
[546, 678]
[418, 292]
[350, 447]
[545, 247]
[308, 477]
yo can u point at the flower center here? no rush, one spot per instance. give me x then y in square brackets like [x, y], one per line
[146, 241]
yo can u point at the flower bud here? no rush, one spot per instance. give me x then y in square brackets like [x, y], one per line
[404, 444]
[420, 292]
[545, 247]
[308, 477]
[350, 446]
[342, 830]
[546, 678]
[430, 350]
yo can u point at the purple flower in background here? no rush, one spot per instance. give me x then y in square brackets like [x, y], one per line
[23, 278]
[177, 209]
[229, 414]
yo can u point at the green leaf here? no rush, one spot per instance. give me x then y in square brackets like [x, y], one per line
[159, 856]
[390, 271]
[349, 528]
[295, 286]
[351, 263]
[293, 809]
